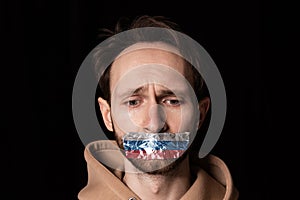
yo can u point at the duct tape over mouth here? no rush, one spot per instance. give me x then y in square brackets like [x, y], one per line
[151, 146]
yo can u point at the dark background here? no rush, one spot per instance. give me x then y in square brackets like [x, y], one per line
[44, 45]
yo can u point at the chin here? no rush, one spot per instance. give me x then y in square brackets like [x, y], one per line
[159, 166]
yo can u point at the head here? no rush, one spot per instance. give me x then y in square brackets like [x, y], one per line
[150, 87]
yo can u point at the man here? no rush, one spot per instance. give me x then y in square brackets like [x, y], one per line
[153, 103]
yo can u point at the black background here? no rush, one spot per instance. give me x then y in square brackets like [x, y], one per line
[45, 43]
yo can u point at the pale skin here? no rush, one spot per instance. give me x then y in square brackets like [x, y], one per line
[152, 109]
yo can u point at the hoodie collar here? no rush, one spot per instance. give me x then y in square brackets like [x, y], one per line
[106, 167]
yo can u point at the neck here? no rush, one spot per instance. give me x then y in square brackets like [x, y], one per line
[170, 185]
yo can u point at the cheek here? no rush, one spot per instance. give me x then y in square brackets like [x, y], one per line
[139, 117]
[190, 119]
[130, 120]
[119, 136]
[183, 119]
[121, 119]
[174, 119]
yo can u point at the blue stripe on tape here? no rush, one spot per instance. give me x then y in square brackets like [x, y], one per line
[154, 144]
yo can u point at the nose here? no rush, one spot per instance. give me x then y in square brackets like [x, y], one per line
[157, 119]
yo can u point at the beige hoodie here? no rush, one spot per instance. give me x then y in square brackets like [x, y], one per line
[213, 179]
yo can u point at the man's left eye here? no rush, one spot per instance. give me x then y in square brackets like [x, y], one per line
[172, 102]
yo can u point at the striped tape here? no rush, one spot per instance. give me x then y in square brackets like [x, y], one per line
[149, 146]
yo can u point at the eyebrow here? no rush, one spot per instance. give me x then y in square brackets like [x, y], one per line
[160, 93]
[165, 92]
[131, 92]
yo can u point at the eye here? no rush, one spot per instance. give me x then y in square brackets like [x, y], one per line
[172, 102]
[134, 102]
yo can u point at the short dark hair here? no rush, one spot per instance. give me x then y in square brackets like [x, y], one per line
[124, 24]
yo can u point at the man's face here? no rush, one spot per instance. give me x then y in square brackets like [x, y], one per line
[150, 94]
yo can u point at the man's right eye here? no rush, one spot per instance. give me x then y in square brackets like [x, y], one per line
[133, 103]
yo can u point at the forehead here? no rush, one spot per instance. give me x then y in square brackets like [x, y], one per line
[142, 54]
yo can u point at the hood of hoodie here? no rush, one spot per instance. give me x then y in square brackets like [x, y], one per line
[105, 165]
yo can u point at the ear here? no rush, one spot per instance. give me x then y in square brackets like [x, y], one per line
[105, 111]
[203, 108]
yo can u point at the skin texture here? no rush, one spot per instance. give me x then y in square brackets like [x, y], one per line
[145, 98]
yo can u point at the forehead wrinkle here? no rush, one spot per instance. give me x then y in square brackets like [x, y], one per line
[140, 58]
[159, 91]
[133, 91]
[147, 56]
